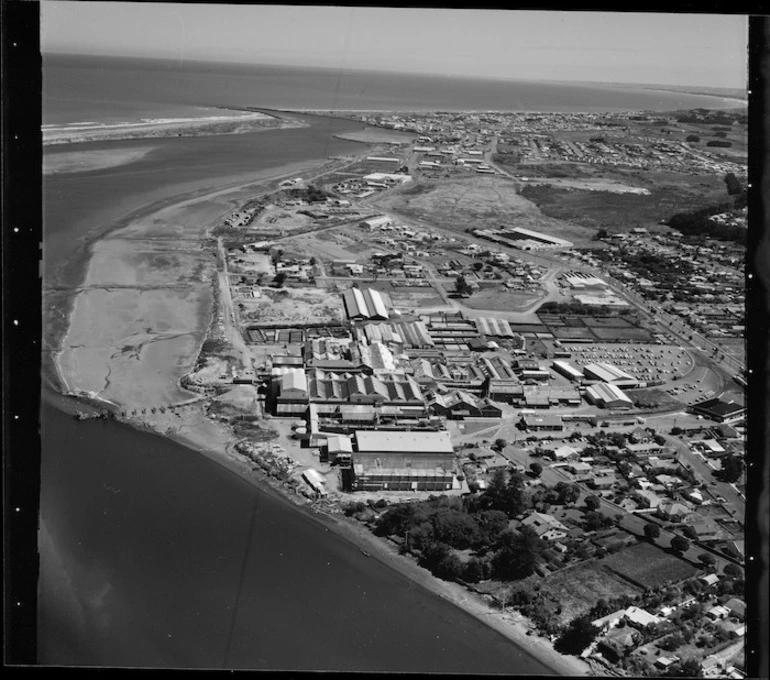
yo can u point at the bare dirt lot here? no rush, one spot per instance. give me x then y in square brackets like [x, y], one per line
[293, 305]
[477, 202]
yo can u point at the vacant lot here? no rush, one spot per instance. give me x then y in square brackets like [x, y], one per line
[652, 398]
[501, 300]
[480, 202]
[648, 566]
[578, 588]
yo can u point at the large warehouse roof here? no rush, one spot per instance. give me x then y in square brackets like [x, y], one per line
[608, 394]
[367, 303]
[606, 372]
[494, 327]
[403, 442]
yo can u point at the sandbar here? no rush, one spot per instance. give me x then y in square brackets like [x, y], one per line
[85, 161]
[173, 127]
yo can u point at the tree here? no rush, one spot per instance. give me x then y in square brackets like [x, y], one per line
[692, 138]
[500, 444]
[579, 634]
[478, 265]
[687, 668]
[651, 531]
[280, 279]
[462, 287]
[455, 528]
[449, 568]
[732, 469]
[602, 233]
[592, 503]
[680, 544]
[491, 523]
[518, 554]
[474, 571]
[537, 468]
[733, 570]
[676, 430]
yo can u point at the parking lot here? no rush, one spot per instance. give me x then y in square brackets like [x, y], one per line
[648, 363]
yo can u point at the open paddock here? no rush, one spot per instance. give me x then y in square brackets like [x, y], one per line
[606, 322]
[569, 332]
[630, 334]
[578, 588]
[648, 566]
[499, 299]
[652, 398]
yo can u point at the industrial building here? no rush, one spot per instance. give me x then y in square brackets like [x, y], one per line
[607, 395]
[582, 281]
[524, 239]
[377, 222]
[417, 461]
[720, 411]
[567, 370]
[607, 373]
[365, 303]
[542, 423]
[494, 327]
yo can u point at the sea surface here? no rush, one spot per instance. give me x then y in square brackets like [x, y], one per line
[153, 555]
[80, 89]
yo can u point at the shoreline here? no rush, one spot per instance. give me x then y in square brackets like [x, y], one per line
[163, 128]
[208, 438]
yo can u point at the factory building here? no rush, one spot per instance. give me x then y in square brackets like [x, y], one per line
[377, 222]
[607, 373]
[567, 370]
[607, 395]
[365, 304]
[499, 328]
[402, 461]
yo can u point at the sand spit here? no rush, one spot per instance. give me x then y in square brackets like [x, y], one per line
[177, 127]
[85, 161]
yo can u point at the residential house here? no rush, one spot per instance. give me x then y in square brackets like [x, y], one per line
[673, 511]
[646, 498]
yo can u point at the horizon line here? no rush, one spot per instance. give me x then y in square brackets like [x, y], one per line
[229, 62]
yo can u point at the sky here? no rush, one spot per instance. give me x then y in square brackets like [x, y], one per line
[705, 50]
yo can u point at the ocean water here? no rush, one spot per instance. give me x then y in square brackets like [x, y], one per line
[82, 89]
[154, 556]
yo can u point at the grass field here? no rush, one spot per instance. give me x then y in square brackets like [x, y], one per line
[653, 398]
[606, 322]
[648, 566]
[572, 332]
[622, 334]
[578, 588]
[669, 193]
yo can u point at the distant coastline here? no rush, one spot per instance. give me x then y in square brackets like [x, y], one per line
[150, 129]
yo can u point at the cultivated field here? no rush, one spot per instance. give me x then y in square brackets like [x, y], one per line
[648, 566]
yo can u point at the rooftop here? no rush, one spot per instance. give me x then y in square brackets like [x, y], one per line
[403, 442]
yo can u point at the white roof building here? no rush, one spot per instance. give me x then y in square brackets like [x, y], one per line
[608, 396]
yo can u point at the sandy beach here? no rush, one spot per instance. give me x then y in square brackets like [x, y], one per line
[177, 127]
[135, 330]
